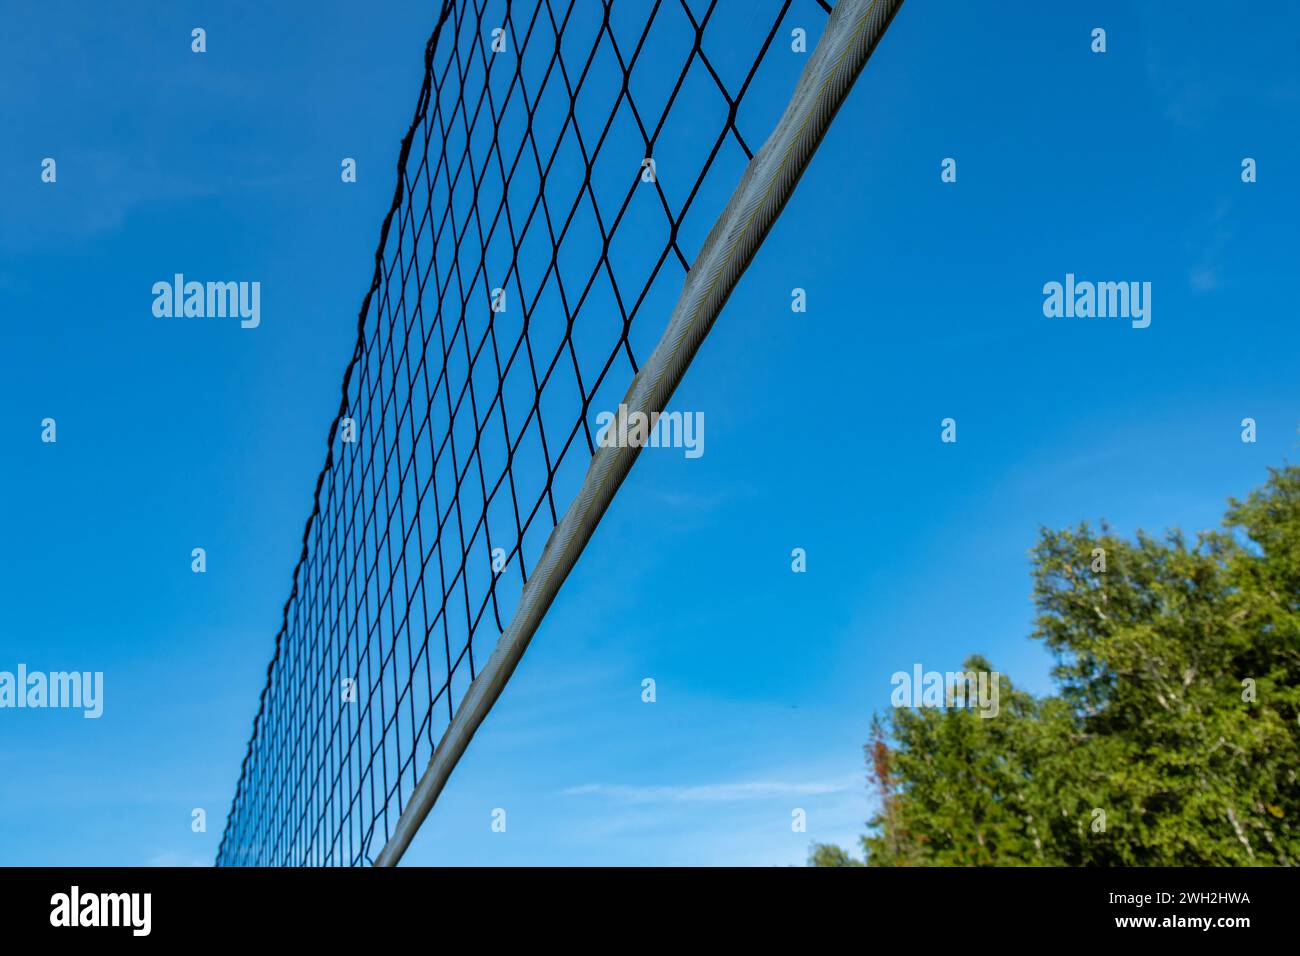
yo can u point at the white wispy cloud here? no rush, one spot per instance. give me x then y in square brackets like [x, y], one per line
[708, 793]
[177, 858]
[745, 823]
[1204, 279]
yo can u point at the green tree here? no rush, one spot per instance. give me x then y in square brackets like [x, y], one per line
[1174, 736]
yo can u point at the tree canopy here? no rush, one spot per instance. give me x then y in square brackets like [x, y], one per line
[1173, 734]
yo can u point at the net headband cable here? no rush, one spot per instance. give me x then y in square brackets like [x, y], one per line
[851, 35]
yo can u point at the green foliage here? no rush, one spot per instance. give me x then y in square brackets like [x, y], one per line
[1173, 738]
[827, 854]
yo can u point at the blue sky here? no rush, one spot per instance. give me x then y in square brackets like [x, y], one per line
[925, 301]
